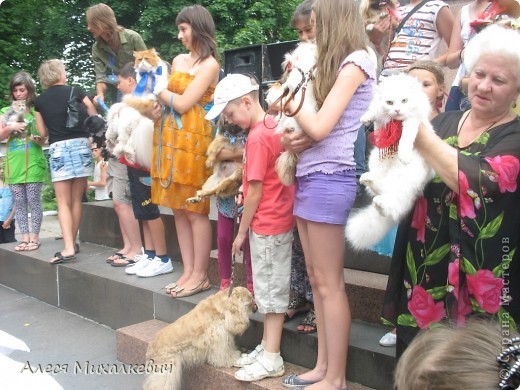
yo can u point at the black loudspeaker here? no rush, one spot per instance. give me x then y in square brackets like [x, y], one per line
[263, 61]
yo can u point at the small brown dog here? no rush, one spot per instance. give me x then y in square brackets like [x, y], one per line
[205, 335]
[227, 174]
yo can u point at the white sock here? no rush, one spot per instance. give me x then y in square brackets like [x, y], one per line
[273, 357]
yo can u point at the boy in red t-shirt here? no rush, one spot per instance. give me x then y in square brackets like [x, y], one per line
[267, 216]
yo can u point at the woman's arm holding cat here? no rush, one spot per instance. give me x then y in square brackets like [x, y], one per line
[319, 125]
[440, 156]
[207, 75]
[7, 130]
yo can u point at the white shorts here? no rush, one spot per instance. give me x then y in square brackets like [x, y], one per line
[271, 265]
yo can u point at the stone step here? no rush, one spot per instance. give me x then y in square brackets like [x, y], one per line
[99, 225]
[91, 288]
[132, 342]
[365, 290]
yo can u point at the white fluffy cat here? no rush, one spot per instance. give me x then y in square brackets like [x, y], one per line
[299, 67]
[398, 174]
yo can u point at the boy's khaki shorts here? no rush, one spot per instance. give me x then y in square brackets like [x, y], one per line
[271, 265]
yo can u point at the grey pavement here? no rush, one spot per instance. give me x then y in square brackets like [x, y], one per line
[82, 352]
[70, 344]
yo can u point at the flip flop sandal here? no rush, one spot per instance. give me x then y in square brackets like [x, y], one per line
[309, 321]
[21, 246]
[115, 256]
[60, 259]
[122, 262]
[32, 246]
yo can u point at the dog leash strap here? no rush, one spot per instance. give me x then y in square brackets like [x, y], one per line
[236, 223]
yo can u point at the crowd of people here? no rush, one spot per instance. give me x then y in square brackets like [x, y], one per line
[453, 256]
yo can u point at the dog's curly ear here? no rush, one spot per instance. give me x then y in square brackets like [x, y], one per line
[237, 313]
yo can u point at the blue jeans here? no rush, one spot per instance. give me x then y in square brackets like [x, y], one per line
[359, 152]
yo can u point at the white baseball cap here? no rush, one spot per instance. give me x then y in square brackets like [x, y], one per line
[229, 88]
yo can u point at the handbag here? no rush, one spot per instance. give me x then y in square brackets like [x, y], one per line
[75, 111]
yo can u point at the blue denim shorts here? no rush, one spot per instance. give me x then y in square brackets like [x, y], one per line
[70, 159]
[325, 198]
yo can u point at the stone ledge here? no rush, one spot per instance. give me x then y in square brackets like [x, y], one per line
[132, 342]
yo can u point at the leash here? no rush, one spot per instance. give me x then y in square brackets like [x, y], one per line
[236, 224]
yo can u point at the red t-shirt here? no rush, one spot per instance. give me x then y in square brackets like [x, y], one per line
[274, 214]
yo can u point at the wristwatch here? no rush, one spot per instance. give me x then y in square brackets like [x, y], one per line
[369, 27]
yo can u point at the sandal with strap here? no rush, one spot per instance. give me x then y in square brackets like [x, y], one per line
[298, 305]
[32, 246]
[21, 246]
[308, 321]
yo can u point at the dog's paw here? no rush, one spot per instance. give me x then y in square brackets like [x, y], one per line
[194, 199]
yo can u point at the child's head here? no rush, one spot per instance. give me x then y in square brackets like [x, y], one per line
[21, 87]
[431, 75]
[455, 358]
[51, 72]
[237, 98]
[126, 82]
[197, 31]
[301, 21]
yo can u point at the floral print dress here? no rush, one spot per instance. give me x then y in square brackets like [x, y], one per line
[456, 254]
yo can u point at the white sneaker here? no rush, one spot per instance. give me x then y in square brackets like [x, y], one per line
[249, 358]
[156, 267]
[388, 340]
[262, 368]
[142, 261]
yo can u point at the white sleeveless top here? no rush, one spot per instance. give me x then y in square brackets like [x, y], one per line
[100, 193]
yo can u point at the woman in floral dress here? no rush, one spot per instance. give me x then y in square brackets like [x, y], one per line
[456, 254]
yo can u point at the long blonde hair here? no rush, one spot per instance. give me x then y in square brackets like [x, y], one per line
[339, 32]
[102, 17]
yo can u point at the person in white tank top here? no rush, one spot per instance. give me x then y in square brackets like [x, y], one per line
[100, 174]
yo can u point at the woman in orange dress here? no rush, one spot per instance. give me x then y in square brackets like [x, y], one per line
[181, 139]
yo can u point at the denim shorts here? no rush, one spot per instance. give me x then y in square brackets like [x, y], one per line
[70, 159]
[271, 266]
[325, 198]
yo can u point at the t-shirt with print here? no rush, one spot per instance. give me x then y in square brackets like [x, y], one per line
[417, 40]
[274, 214]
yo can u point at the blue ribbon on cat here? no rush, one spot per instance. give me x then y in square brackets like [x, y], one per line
[143, 82]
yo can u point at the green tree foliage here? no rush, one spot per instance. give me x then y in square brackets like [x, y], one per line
[32, 31]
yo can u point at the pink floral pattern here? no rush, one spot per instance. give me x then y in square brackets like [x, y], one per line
[424, 309]
[507, 168]
[467, 208]
[486, 289]
[419, 217]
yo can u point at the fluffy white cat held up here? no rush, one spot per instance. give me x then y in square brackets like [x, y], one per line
[397, 173]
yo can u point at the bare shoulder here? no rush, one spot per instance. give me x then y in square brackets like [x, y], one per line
[179, 60]
[210, 66]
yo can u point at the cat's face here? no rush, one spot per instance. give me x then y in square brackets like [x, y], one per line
[400, 97]
[18, 106]
[146, 60]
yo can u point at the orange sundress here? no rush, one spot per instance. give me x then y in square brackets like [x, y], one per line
[179, 155]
